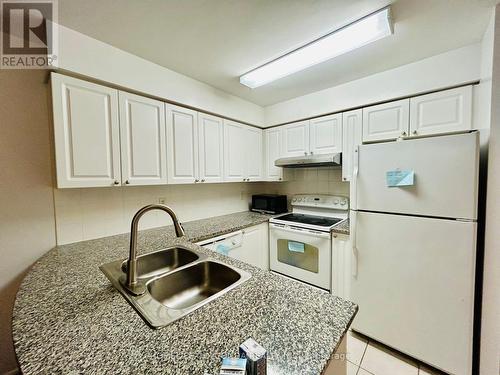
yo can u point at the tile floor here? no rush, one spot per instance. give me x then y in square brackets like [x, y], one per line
[369, 358]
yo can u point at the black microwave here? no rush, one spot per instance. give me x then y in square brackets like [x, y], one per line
[269, 203]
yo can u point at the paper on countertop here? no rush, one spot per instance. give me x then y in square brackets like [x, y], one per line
[400, 178]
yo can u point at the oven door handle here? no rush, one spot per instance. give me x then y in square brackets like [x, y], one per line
[301, 231]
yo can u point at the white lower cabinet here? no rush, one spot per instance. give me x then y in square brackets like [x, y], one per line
[242, 152]
[143, 145]
[86, 133]
[250, 245]
[341, 265]
[352, 123]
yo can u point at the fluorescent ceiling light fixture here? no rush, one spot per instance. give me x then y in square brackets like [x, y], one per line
[357, 34]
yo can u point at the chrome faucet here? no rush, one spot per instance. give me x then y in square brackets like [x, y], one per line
[130, 281]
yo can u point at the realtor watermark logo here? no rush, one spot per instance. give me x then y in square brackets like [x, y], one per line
[29, 34]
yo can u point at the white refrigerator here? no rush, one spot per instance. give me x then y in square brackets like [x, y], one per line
[414, 246]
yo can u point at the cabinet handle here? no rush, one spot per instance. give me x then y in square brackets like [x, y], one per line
[127, 182]
[244, 179]
[311, 152]
[280, 179]
[415, 132]
[203, 180]
[305, 152]
[116, 182]
[195, 181]
[403, 134]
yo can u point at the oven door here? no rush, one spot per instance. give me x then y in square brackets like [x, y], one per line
[301, 253]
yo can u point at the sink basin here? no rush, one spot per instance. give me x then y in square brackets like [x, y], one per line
[160, 262]
[192, 285]
[177, 281]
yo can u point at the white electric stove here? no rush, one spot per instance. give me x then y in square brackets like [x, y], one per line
[301, 242]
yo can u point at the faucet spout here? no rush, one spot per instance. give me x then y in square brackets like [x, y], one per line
[130, 282]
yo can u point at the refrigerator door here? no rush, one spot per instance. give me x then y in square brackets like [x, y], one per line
[413, 279]
[445, 176]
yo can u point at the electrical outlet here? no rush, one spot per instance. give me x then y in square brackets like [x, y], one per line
[161, 200]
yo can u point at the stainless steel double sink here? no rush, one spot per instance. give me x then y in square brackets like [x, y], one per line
[177, 281]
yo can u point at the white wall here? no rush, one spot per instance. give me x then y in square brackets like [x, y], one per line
[27, 211]
[490, 330]
[444, 70]
[81, 54]
[83, 214]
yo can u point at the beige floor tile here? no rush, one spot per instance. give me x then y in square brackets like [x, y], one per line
[363, 372]
[424, 370]
[383, 362]
[356, 346]
[352, 369]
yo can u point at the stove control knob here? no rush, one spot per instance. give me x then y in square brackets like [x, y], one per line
[294, 200]
[336, 201]
[343, 202]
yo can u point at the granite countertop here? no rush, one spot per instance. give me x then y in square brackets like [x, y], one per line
[69, 319]
[342, 228]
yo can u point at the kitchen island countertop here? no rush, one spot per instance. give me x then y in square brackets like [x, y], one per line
[69, 319]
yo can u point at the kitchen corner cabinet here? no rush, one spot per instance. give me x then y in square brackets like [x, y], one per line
[242, 152]
[182, 145]
[341, 265]
[387, 121]
[352, 124]
[441, 112]
[86, 133]
[143, 144]
[272, 148]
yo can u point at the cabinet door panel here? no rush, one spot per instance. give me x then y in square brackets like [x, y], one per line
[352, 138]
[86, 132]
[253, 154]
[182, 149]
[211, 135]
[441, 112]
[386, 121]
[143, 147]
[234, 151]
[326, 134]
[295, 139]
[272, 148]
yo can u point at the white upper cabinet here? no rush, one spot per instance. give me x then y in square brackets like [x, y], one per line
[86, 133]
[182, 145]
[325, 134]
[234, 151]
[211, 150]
[253, 154]
[441, 112]
[352, 123]
[272, 147]
[242, 152]
[295, 139]
[386, 121]
[142, 133]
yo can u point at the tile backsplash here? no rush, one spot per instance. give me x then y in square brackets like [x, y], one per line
[88, 213]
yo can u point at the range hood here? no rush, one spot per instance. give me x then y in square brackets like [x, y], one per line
[324, 160]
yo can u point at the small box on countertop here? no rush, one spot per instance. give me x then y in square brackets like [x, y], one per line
[233, 366]
[256, 357]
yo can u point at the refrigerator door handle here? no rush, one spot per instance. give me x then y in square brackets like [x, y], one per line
[354, 262]
[354, 179]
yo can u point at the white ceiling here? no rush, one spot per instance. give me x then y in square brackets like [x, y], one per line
[215, 41]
